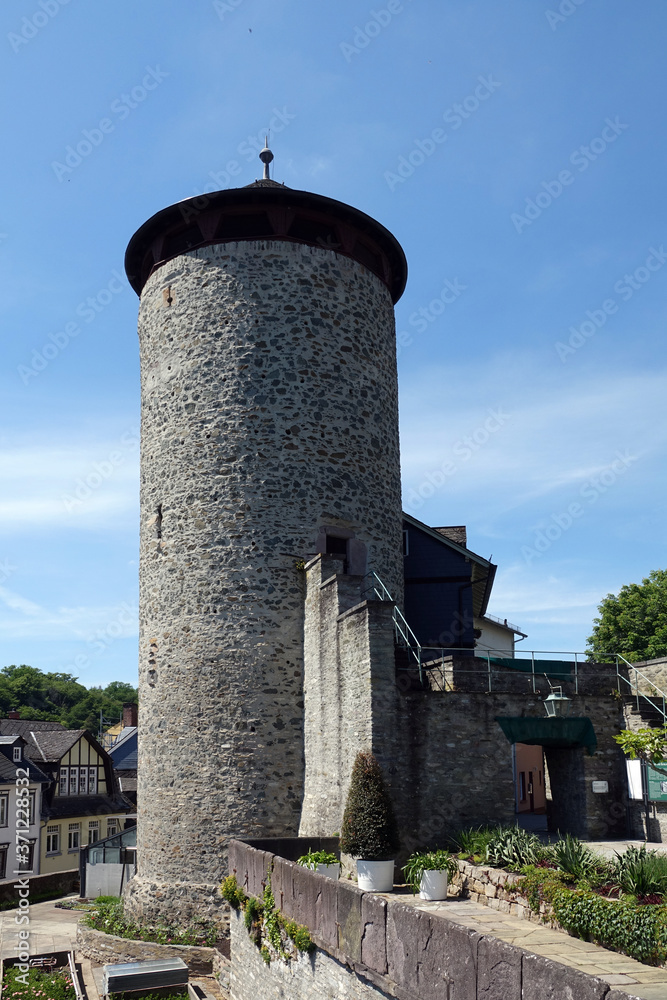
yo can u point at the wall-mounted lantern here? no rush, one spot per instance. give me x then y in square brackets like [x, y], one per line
[557, 704]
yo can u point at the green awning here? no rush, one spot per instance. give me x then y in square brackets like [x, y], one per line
[552, 668]
[560, 734]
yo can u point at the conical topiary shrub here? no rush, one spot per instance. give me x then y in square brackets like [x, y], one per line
[369, 826]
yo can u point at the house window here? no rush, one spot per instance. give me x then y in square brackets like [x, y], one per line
[73, 780]
[92, 780]
[63, 781]
[3, 860]
[4, 809]
[31, 811]
[73, 835]
[30, 857]
[83, 780]
[112, 827]
[52, 839]
[17, 753]
[93, 831]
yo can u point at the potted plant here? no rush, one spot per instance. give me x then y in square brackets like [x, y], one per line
[369, 831]
[322, 862]
[428, 872]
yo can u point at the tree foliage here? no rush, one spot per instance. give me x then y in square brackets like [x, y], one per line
[57, 697]
[369, 829]
[632, 622]
[647, 745]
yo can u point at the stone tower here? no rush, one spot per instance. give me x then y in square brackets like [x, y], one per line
[269, 434]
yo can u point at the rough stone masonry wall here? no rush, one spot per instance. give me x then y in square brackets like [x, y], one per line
[370, 947]
[446, 760]
[350, 698]
[269, 411]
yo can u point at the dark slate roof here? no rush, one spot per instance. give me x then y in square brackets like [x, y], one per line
[124, 751]
[127, 779]
[49, 747]
[22, 727]
[86, 805]
[8, 771]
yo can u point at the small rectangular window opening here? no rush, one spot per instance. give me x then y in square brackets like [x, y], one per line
[336, 546]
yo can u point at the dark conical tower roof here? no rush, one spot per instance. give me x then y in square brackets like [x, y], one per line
[265, 210]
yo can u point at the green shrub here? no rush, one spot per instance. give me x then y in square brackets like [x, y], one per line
[575, 858]
[473, 841]
[230, 891]
[621, 925]
[512, 847]
[369, 828]
[640, 872]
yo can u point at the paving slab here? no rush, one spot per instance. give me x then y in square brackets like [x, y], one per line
[51, 929]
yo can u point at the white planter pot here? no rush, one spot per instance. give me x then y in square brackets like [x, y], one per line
[375, 876]
[433, 885]
[331, 871]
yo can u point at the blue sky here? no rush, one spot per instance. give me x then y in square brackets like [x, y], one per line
[518, 153]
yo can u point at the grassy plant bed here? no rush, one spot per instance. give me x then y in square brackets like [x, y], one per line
[626, 924]
[37, 984]
[108, 917]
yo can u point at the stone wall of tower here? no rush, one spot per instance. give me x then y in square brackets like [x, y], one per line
[269, 412]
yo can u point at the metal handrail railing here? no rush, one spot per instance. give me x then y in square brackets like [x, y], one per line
[636, 675]
[405, 637]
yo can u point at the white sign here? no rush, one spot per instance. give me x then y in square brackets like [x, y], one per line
[600, 787]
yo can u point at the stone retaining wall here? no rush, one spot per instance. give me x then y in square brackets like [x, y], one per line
[369, 947]
[54, 884]
[106, 948]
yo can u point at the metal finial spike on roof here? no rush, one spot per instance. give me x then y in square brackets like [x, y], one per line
[266, 156]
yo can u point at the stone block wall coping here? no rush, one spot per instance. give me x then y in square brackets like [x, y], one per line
[405, 951]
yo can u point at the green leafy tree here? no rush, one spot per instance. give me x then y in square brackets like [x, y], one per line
[632, 622]
[369, 829]
[59, 697]
[648, 746]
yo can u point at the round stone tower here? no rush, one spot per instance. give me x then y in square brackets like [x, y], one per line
[269, 433]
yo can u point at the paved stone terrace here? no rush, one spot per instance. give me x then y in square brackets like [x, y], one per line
[624, 974]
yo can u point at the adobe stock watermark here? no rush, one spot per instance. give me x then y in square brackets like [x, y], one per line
[6, 570]
[121, 108]
[464, 449]
[591, 492]
[454, 117]
[223, 7]
[378, 21]
[100, 472]
[249, 150]
[625, 287]
[87, 311]
[580, 158]
[32, 25]
[421, 318]
[103, 638]
[565, 9]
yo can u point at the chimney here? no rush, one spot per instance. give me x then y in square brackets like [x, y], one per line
[456, 533]
[13, 714]
[130, 714]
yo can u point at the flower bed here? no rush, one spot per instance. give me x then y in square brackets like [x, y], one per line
[37, 984]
